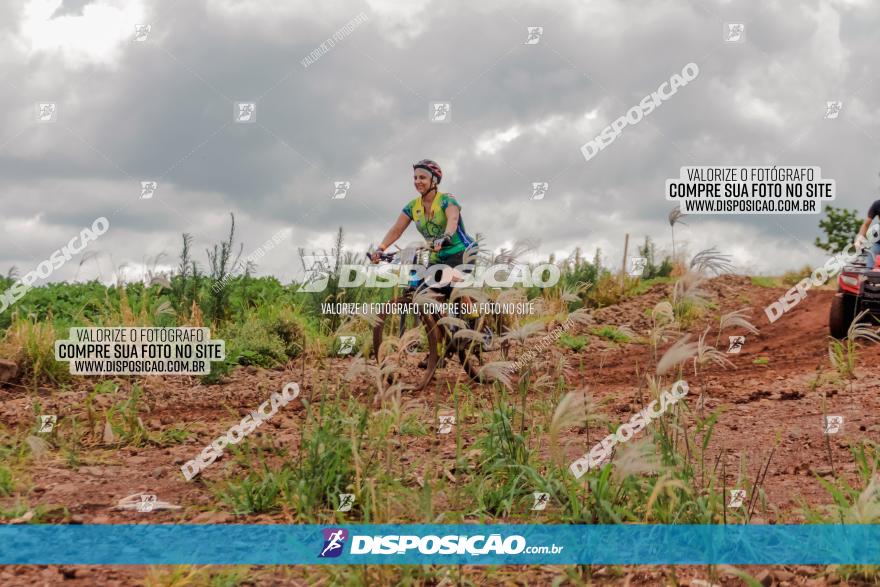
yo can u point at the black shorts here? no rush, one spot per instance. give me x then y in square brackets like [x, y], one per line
[453, 261]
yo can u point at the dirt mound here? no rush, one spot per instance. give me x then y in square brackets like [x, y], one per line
[778, 393]
[726, 292]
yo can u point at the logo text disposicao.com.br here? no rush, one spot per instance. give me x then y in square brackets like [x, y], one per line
[476, 545]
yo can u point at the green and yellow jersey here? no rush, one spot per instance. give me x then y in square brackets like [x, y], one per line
[435, 227]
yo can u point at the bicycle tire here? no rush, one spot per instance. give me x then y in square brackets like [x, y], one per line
[433, 335]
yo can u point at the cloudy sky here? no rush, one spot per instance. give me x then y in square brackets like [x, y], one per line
[163, 109]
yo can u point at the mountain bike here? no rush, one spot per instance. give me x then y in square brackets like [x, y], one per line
[440, 334]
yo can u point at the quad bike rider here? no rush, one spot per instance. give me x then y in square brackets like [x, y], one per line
[858, 285]
[861, 239]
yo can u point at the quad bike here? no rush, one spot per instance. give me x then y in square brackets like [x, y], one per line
[858, 290]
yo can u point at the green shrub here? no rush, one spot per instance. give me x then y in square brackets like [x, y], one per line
[325, 468]
[255, 342]
[611, 333]
[286, 327]
[125, 421]
[792, 277]
[576, 270]
[686, 312]
[258, 492]
[261, 341]
[6, 480]
[575, 343]
[31, 344]
[505, 477]
[608, 290]
[762, 281]
[652, 269]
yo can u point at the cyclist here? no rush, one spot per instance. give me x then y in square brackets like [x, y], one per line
[862, 241]
[437, 216]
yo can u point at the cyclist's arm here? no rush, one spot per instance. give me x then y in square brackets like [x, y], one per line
[452, 215]
[402, 222]
[452, 212]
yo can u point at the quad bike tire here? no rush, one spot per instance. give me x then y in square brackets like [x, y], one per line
[841, 315]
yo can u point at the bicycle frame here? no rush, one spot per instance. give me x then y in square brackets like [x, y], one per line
[436, 334]
[418, 256]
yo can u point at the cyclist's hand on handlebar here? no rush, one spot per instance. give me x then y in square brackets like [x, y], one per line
[440, 242]
[379, 255]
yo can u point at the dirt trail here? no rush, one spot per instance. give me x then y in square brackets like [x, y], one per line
[761, 402]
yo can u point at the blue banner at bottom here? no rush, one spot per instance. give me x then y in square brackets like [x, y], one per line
[439, 544]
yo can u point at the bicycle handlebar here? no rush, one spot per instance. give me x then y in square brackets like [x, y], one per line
[389, 257]
[382, 256]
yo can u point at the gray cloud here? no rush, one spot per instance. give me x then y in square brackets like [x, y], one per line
[163, 110]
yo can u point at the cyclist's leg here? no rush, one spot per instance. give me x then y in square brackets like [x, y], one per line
[442, 285]
[425, 286]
